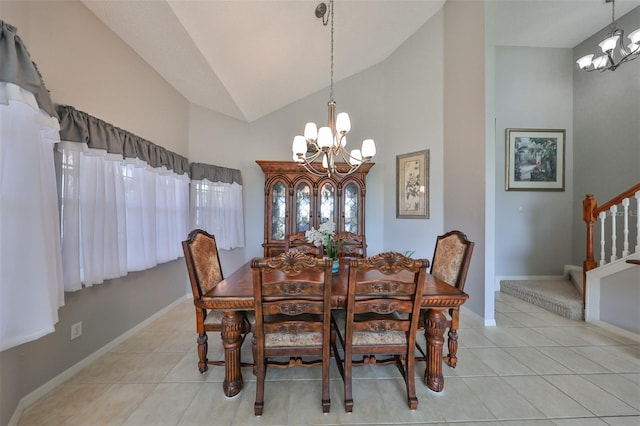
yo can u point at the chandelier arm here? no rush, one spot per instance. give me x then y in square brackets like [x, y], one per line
[309, 168]
[313, 157]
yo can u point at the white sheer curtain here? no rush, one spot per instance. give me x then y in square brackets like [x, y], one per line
[216, 207]
[30, 253]
[117, 216]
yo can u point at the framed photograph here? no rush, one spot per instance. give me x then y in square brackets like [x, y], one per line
[535, 159]
[412, 185]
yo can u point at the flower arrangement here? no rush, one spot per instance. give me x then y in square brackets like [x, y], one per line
[324, 235]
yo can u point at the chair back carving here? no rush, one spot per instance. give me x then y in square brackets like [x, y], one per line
[292, 293]
[298, 243]
[203, 262]
[451, 258]
[351, 245]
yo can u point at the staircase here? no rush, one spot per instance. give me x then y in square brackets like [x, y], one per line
[568, 297]
[560, 296]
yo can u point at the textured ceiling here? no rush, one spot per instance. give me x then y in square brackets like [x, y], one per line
[246, 59]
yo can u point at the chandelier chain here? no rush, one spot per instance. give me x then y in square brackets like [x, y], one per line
[331, 85]
[613, 14]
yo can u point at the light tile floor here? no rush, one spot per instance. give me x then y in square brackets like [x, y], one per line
[534, 368]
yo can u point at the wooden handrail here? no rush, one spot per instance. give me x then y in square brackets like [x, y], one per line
[590, 213]
[617, 200]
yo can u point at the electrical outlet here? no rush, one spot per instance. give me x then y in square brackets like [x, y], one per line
[76, 330]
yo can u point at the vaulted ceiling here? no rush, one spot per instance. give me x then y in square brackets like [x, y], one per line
[246, 59]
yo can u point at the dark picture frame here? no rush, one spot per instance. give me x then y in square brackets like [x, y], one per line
[412, 185]
[535, 159]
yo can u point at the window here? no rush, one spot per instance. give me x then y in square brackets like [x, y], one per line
[216, 207]
[117, 216]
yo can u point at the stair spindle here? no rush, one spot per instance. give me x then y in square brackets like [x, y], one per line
[603, 218]
[614, 214]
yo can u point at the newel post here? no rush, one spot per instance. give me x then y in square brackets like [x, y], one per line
[588, 215]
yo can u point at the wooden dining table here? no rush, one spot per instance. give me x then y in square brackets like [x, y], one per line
[234, 294]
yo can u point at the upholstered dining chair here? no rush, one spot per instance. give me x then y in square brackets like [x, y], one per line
[292, 293]
[351, 245]
[450, 263]
[381, 318]
[297, 242]
[203, 266]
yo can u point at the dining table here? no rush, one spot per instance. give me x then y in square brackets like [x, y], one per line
[234, 296]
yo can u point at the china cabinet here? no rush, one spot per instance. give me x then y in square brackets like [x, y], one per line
[296, 200]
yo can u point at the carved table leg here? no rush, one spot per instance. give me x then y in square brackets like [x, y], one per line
[232, 342]
[436, 324]
[453, 338]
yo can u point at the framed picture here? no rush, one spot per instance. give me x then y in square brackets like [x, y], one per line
[535, 159]
[412, 185]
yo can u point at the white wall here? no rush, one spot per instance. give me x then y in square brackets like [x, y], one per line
[464, 136]
[414, 122]
[533, 228]
[619, 299]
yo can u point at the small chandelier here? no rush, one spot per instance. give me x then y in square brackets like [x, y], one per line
[614, 52]
[329, 142]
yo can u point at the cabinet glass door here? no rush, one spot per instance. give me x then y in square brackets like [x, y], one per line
[303, 207]
[351, 208]
[327, 203]
[278, 211]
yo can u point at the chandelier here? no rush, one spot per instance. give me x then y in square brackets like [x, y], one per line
[614, 52]
[329, 142]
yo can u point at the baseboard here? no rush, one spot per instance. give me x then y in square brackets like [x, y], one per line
[617, 330]
[486, 322]
[34, 396]
[525, 277]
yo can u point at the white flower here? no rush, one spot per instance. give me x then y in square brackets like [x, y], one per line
[323, 235]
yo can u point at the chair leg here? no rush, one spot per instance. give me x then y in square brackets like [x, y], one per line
[255, 355]
[453, 338]
[260, 376]
[203, 347]
[410, 380]
[348, 397]
[326, 398]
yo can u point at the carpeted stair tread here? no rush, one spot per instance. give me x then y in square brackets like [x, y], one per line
[558, 296]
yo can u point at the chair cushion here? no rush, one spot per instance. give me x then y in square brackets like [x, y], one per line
[366, 338]
[214, 317]
[272, 340]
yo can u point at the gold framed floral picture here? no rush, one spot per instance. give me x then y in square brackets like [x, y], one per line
[412, 185]
[535, 159]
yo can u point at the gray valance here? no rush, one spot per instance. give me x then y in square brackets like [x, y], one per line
[78, 126]
[201, 171]
[17, 67]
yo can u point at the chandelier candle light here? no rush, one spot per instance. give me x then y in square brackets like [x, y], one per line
[614, 52]
[329, 142]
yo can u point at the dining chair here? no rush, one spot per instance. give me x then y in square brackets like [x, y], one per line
[297, 242]
[451, 259]
[381, 317]
[292, 294]
[203, 266]
[351, 245]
